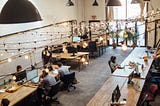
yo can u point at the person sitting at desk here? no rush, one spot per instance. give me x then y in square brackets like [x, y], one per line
[113, 63]
[63, 70]
[44, 85]
[19, 68]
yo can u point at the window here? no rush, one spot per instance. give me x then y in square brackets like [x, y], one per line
[127, 11]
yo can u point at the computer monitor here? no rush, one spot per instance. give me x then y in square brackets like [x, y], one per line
[32, 74]
[116, 94]
[72, 49]
[20, 75]
[130, 77]
[76, 39]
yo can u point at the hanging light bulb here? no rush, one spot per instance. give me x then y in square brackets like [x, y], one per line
[83, 59]
[14, 78]
[9, 60]
[125, 35]
[124, 47]
[26, 56]
[85, 44]
[1, 54]
[70, 3]
[47, 70]
[95, 3]
[101, 38]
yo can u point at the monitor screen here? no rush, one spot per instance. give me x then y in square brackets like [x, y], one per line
[32, 74]
[72, 49]
[76, 39]
[118, 93]
[21, 75]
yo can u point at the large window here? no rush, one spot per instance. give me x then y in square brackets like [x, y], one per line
[127, 11]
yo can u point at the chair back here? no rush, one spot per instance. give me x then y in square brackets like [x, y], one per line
[92, 46]
[153, 89]
[54, 89]
[68, 78]
[109, 63]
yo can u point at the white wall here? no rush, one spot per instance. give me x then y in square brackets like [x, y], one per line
[90, 10]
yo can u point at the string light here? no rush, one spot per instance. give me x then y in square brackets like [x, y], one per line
[9, 60]
[124, 47]
[26, 57]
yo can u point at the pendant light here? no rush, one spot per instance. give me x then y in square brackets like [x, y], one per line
[113, 3]
[70, 3]
[135, 1]
[19, 11]
[95, 3]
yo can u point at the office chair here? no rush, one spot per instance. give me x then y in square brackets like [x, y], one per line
[92, 47]
[54, 90]
[149, 96]
[109, 63]
[68, 81]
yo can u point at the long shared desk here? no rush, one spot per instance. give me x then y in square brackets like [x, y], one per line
[21, 92]
[129, 93]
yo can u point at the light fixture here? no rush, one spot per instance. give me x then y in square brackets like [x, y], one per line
[19, 11]
[70, 3]
[135, 1]
[113, 3]
[124, 47]
[95, 3]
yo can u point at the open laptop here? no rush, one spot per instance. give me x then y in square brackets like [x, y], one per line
[33, 76]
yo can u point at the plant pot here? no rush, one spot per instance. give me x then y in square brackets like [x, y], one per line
[134, 45]
[114, 45]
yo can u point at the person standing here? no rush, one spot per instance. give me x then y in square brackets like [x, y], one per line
[46, 55]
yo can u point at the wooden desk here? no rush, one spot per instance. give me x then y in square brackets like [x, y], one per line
[103, 96]
[69, 56]
[135, 56]
[132, 93]
[21, 93]
[120, 77]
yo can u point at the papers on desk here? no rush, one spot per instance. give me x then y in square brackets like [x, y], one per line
[2, 90]
[55, 71]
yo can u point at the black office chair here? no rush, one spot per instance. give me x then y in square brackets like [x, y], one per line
[49, 97]
[92, 47]
[109, 63]
[68, 81]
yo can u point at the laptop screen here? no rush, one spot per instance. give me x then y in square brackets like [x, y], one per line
[32, 74]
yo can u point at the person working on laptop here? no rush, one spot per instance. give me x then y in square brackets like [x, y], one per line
[113, 63]
[19, 68]
[44, 85]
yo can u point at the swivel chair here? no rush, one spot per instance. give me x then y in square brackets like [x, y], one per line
[92, 47]
[68, 81]
[54, 90]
